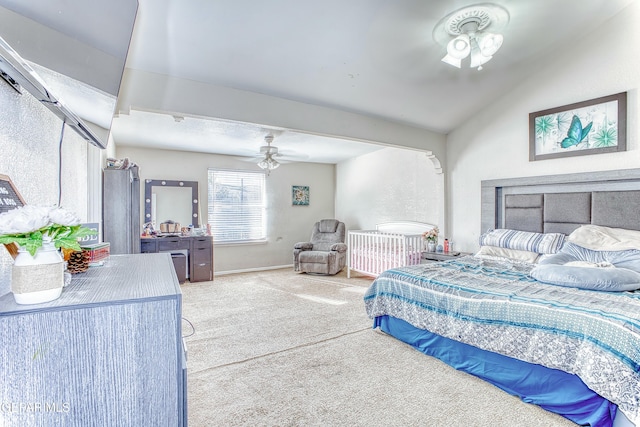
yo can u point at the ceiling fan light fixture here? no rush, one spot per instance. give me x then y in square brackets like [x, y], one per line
[489, 43]
[268, 163]
[473, 32]
[459, 47]
[457, 50]
[477, 57]
[268, 149]
[456, 62]
[478, 60]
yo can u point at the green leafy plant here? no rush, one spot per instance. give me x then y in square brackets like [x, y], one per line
[29, 226]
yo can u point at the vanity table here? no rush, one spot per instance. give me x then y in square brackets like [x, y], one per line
[192, 255]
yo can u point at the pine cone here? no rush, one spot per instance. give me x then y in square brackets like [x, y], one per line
[78, 262]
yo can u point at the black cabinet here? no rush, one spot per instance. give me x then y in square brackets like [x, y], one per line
[192, 255]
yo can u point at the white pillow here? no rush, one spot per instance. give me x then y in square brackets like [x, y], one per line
[598, 238]
[587, 264]
[512, 254]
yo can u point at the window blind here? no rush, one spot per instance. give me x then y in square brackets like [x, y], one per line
[236, 205]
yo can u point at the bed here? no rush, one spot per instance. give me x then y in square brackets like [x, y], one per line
[391, 244]
[517, 315]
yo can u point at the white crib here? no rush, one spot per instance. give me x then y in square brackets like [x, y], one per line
[390, 245]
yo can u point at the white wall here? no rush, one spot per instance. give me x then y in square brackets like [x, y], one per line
[29, 142]
[286, 224]
[495, 143]
[389, 185]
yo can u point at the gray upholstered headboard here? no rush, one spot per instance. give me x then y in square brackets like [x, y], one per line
[561, 203]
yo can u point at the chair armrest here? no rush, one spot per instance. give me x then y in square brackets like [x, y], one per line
[305, 246]
[339, 247]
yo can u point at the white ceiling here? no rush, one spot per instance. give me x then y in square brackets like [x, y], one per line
[372, 57]
[169, 132]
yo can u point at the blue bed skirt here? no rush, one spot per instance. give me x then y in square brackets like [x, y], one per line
[551, 389]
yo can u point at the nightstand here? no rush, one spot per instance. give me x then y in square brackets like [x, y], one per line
[441, 256]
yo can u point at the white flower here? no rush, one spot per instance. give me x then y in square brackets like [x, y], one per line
[23, 220]
[29, 226]
[63, 217]
[431, 235]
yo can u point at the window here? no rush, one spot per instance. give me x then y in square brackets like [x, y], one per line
[236, 205]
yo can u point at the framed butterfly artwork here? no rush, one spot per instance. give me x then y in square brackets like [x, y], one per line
[589, 127]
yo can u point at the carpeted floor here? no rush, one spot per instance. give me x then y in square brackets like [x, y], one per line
[279, 348]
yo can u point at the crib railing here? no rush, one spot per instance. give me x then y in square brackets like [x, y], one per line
[371, 252]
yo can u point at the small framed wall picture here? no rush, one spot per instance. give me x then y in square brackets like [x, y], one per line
[300, 195]
[588, 127]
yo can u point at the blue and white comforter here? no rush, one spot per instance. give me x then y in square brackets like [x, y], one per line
[495, 305]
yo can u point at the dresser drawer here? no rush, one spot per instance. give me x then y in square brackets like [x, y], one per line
[148, 246]
[202, 242]
[201, 255]
[168, 244]
[201, 272]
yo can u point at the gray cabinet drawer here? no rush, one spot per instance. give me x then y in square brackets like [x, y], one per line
[201, 272]
[148, 246]
[172, 244]
[202, 242]
[201, 255]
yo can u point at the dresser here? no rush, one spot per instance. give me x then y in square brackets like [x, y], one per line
[108, 352]
[192, 255]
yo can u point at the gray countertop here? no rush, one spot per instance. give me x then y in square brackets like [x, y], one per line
[121, 278]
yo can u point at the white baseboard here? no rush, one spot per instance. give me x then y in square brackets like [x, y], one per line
[249, 270]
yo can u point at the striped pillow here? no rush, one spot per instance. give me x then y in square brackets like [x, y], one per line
[542, 243]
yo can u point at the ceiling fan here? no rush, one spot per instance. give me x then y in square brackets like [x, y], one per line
[269, 151]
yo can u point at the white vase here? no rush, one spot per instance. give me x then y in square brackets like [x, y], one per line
[431, 246]
[37, 278]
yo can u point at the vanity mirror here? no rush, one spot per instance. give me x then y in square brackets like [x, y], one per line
[70, 55]
[171, 200]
